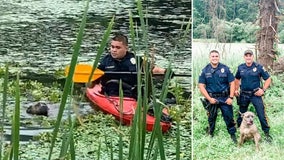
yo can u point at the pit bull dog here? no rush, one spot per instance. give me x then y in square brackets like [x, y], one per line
[248, 129]
[39, 108]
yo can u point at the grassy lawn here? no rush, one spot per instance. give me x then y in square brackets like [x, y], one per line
[221, 145]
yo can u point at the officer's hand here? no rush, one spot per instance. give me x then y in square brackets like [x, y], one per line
[236, 93]
[229, 101]
[259, 92]
[212, 100]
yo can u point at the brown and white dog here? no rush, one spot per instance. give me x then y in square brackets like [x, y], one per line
[248, 129]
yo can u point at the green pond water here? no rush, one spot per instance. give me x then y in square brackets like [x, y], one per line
[37, 36]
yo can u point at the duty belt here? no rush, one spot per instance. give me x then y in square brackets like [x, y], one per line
[249, 92]
[221, 94]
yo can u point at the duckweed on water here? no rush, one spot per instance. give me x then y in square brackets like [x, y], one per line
[97, 128]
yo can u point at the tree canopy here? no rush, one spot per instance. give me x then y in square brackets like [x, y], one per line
[227, 20]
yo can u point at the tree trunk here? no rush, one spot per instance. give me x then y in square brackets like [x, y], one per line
[266, 37]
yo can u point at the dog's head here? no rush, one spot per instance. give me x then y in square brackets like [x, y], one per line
[248, 118]
[39, 108]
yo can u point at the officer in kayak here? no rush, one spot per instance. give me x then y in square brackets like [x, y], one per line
[216, 84]
[121, 60]
[248, 80]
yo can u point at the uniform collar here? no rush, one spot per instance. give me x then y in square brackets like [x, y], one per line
[252, 65]
[218, 65]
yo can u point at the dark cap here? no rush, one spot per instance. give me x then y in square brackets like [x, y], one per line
[248, 52]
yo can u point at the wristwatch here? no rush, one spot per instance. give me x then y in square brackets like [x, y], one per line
[231, 97]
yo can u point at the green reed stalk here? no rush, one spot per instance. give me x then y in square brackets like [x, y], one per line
[157, 132]
[135, 118]
[16, 123]
[99, 151]
[69, 134]
[71, 128]
[6, 155]
[141, 17]
[120, 121]
[109, 146]
[142, 109]
[4, 101]
[132, 32]
[102, 47]
[68, 81]
[138, 130]
[178, 137]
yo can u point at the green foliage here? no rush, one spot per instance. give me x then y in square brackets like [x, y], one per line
[235, 31]
[234, 20]
[223, 31]
[281, 36]
[36, 91]
[202, 31]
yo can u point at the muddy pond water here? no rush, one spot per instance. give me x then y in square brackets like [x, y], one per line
[37, 36]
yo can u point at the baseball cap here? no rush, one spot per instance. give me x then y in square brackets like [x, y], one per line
[248, 52]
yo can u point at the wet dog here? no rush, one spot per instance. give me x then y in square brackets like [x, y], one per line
[248, 130]
[39, 108]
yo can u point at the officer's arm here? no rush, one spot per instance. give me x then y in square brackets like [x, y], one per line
[237, 86]
[266, 84]
[204, 91]
[155, 69]
[232, 89]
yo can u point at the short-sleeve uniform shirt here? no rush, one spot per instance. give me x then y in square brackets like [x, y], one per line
[217, 80]
[126, 64]
[250, 76]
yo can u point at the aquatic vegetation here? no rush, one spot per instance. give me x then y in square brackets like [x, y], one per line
[99, 135]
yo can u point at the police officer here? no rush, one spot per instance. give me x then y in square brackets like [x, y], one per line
[248, 79]
[216, 83]
[121, 60]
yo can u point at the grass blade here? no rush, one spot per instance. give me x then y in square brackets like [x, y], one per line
[4, 101]
[16, 122]
[178, 140]
[99, 151]
[132, 32]
[68, 81]
[101, 49]
[120, 154]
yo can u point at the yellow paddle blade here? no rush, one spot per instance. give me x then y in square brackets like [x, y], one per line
[83, 72]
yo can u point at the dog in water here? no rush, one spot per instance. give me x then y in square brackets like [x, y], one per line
[248, 129]
[39, 108]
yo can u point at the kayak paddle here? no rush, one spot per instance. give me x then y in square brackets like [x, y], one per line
[83, 72]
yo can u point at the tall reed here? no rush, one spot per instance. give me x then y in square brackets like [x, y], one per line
[68, 82]
[16, 124]
[3, 116]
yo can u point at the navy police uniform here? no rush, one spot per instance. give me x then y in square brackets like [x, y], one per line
[217, 85]
[250, 82]
[110, 82]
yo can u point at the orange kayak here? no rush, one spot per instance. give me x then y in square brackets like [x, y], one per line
[110, 105]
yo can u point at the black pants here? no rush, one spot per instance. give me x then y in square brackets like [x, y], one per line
[227, 113]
